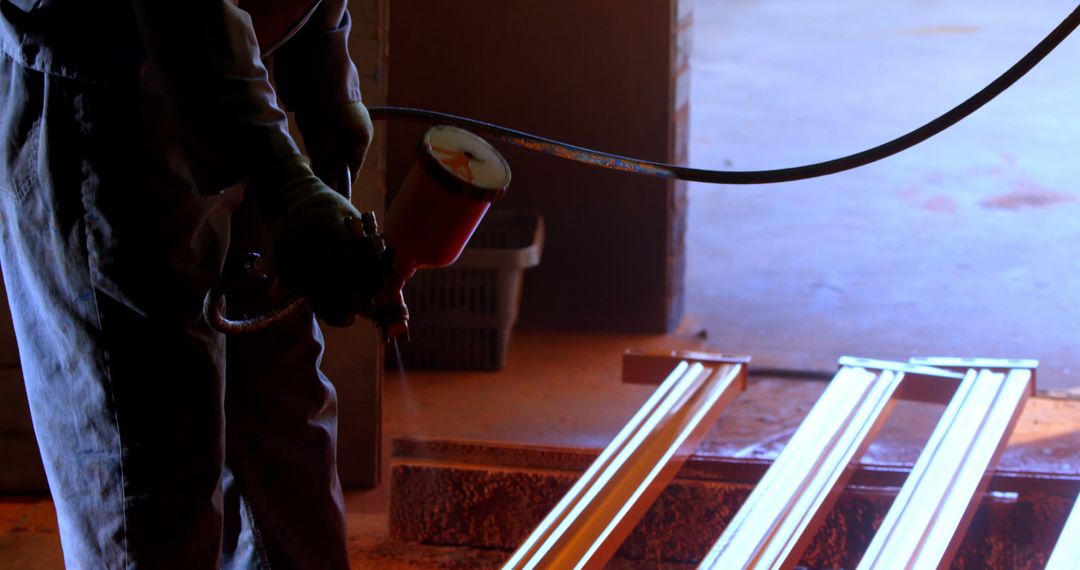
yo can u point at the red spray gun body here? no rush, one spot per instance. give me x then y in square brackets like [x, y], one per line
[453, 181]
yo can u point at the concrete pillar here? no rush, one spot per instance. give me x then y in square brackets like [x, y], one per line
[353, 359]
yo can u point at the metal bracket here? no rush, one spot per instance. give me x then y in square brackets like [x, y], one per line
[653, 366]
[963, 364]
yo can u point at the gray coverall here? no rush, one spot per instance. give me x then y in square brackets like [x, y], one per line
[128, 128]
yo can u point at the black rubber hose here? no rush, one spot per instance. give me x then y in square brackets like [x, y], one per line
[637, 166]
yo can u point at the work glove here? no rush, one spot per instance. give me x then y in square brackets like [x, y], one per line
[336, 137]
[313, 250]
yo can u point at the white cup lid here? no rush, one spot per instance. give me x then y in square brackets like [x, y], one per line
[467, 157]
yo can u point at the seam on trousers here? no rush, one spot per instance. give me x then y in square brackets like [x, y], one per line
[256, 534]
[26, 175]
[79, 117]
[21, 183]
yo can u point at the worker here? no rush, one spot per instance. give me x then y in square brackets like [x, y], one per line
[142, 141]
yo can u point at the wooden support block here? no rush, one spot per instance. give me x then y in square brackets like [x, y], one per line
[1066, 554]
[587, 526]
[779, 519]
[653, 366]
[925, 524]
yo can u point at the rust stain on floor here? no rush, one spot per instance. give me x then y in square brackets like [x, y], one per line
[939, 203]
[942, 204]
[1027, 195]
[940, 30]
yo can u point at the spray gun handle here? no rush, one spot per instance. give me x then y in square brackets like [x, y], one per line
[363, 230]
[255, 266]
[388, 309]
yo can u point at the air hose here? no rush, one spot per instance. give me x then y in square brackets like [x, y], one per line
[637, 166]
[659, 169]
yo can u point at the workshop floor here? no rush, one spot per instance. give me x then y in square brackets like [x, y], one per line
[966, 245]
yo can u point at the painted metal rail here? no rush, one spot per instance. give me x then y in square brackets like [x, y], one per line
[927, 520]
[590, 522]
[1066, 554]
[781, 514]
[778, 520]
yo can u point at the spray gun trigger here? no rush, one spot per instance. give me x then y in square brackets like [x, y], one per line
[256, 266]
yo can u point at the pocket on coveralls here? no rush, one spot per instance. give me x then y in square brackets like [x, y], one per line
[20, 129]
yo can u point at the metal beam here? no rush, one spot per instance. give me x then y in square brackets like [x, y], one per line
[922, 382]
[780, 516]
[1066, 554]
[965, 363]
[932, 510]
[587, 526]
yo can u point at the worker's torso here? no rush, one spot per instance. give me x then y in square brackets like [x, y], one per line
[92, 40]
[98, 40]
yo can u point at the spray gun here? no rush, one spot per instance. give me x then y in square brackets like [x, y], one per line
[453, 181]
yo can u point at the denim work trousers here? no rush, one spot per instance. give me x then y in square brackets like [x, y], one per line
[165, 444]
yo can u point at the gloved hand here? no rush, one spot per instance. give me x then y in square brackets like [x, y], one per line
[336, 137]
[312, 249]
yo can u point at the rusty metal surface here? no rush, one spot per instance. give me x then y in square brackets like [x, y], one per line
[493, 508]
[1043, 453]
[1043, 449]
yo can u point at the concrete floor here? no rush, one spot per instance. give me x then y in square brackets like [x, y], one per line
[963, 246]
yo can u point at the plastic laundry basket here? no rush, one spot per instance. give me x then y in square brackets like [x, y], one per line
[461, 317]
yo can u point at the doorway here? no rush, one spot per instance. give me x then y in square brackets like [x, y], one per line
[966, 245]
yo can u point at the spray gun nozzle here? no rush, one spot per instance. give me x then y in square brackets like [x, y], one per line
[398, 330]
[390, 314]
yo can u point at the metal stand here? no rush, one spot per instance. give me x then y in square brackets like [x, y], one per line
[774, 526]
